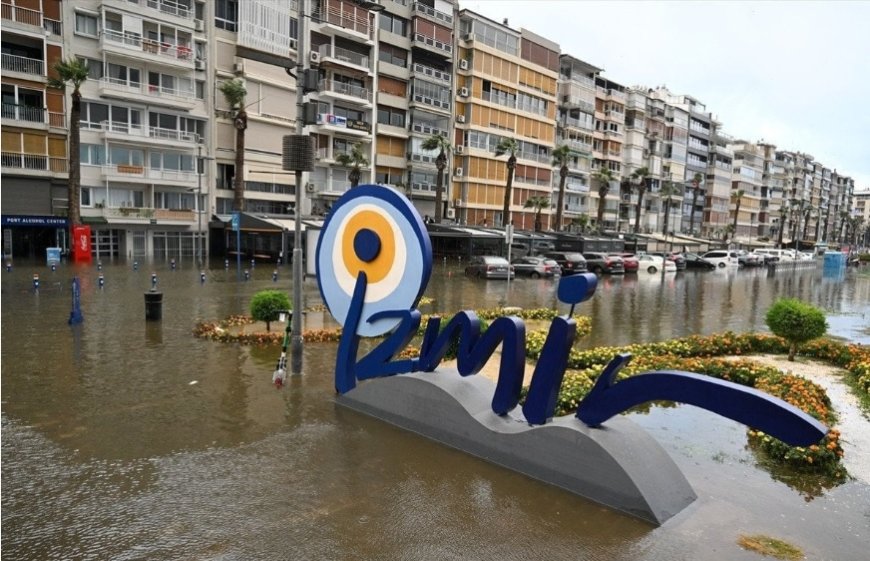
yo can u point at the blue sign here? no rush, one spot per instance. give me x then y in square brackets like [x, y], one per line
[35, 221]
[373, 261]
[236, 221]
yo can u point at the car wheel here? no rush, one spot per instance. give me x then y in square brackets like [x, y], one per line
[479, 275]
[651, 270]
[721, 265]
[597, 270]
[535, 275]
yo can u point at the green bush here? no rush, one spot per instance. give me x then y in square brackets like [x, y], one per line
[267, 303]
[795, 321]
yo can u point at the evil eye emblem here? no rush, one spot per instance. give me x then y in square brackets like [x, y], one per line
[376, 231]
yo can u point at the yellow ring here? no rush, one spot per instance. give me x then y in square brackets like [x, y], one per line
[378, 268]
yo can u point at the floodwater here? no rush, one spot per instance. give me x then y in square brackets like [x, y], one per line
[111, 451]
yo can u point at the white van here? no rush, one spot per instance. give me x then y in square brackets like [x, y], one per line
[722, 258]
[777, 255]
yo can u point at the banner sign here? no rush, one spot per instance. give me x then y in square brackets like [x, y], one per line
[35, 221]
[81, 240]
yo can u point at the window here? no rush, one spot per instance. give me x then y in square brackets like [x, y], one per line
[92, 154]
[225, 175]
[390, 116]
[226, 14]
[351, 114]
[86, 25]
[393, 55]
[389, 176]
[393, 24]
[95, 67]
[93, 114]
[86, 196]
[200, 89]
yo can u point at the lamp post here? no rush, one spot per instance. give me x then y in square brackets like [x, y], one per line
[199, 166]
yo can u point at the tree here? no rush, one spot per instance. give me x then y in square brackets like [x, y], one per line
[234, 93]
[538, 203]
[561, 157]
[582, 222]
[668, 190]
[354, 160]
[74, 72]
[739, 194]
[795, 321]
[509, 146]
[641, 175]
[442, 145]
[696, 190]
[783, 213]
[604, 176]
[266, 304]
[808, 213]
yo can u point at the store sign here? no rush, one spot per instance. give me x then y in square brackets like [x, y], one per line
[343, 122]
[35, 221]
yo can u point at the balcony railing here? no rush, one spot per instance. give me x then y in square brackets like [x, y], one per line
[426, 40]
[423, 98]
[150, 132]
[171, 8]
[344, 19]
[13, 63]
[431, 12]
[432, 72]
[37, 162]
[574, 101]
[24, 113]
[346, 89]
[22, 15]
[53, 26]
[426, 128]
[344, 55]
[578, 145]
[147, 89]
[132, 171]
[186, 215]
[136, 43]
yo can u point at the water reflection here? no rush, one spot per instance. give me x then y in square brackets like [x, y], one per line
[109, 451]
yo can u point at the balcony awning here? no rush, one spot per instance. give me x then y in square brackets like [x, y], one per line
[248, 223]
[94, 220]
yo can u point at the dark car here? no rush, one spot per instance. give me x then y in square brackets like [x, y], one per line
[600, 263]
[570, 262]
[535, 267]
[695, 261]
[677, 258]
[629, 261]
[489, 267]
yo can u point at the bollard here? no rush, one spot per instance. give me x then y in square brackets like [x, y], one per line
[35, 281]
[153, 305]
[153, 281]
[135, 265]
[253, 263]
[275, 275]
[99, 265]
[101, 281]
[247, 275]
[53, 266]
[226, 263]
[172, 264]
[202, 277]
[8, 267]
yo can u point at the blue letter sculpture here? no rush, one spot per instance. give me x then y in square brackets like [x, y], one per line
[374, 260]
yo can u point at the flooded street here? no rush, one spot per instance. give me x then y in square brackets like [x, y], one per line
[110, 451]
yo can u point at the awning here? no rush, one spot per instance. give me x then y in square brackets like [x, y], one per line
[248, 223]
[285, 223]
[96, 220]
[442, 231]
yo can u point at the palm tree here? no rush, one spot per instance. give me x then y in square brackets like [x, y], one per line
[641, 174]
[739, 194]
[582, 222]
[442, 145]
[234, 92]
[508, 146]
[604, 176]
[669, 188]
[783, 213]
[72, 71]
[538, 203]
[354, 160]
[696, 190]
[561, 157]
[808, 213]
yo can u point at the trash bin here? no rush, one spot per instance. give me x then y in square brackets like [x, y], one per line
[153, 306]
[52, 255]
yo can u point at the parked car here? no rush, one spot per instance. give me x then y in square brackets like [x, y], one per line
[695, 261]
[655, 263]
[746, 259]
[600, 263]
[519, 250]
[776, 255]
[489, 267]
[722, 258]
[540, 247]
[535, 267]
[629, 261]
[677, 258]
[570, 262]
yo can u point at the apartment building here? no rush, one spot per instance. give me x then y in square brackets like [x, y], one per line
[575, 129]
[748, 204]
[608, 139]
[34, 154]
[507, 86]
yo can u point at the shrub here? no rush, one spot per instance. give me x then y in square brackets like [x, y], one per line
[795, 321]
[266, 304]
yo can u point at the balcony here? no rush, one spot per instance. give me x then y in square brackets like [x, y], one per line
[578, 146]
[433, 43]
[141, 174]
[440, 75]
[433, 13]
[575, 102]
[428, 129]
[27, 116]
[146, 93]
[345, 125]
[341, 88]
[155, 51]
[345, 21]
[23, 65]
[426, 100]
[143, 214]
[33, 163]
[23, 16]
[345, 56]
[170, 8]
[127, 131]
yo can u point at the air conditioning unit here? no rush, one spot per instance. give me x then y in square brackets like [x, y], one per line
[458, 172]
[239, 68]
[463, 64]
[457, 203]
[310, 187]
[463, 92]
[468, 37]
[460, 149]
[451, 213]
[198, 24]
[314, 57]
[460, 119]
[199, 64]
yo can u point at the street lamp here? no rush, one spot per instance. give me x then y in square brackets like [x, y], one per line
[199, 166]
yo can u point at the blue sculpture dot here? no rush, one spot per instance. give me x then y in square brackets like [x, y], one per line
[577, 288]
[366, 245]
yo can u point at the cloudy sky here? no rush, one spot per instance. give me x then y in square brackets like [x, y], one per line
[796, 74]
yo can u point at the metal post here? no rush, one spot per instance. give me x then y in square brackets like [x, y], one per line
[199, 206]
[301, 63]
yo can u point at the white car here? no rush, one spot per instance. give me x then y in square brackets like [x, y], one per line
[653, 264]
[722, 258]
